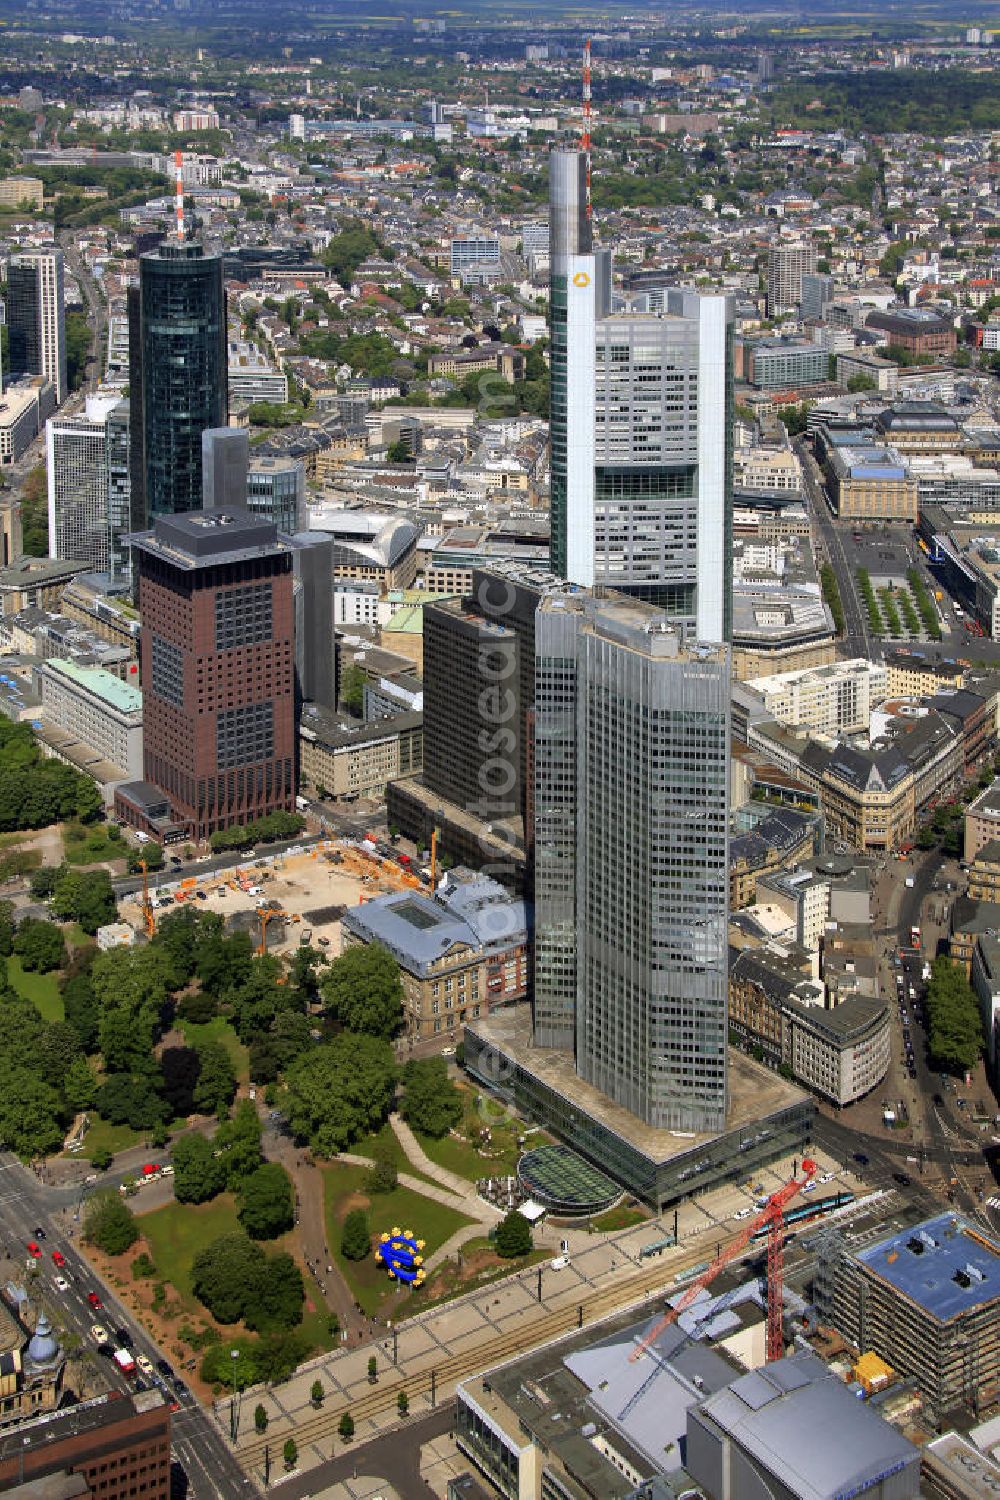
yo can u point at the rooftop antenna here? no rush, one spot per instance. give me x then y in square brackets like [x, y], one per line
[179, 164]
[585, 133]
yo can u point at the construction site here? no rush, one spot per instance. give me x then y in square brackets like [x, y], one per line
[287, 900]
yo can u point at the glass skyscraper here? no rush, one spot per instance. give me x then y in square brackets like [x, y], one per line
[177, 376]
[36, 317]
[641, 424]
[631, 856]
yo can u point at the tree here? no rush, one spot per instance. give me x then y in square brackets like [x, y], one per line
[260, 1418]
[43, 881]
[402, 1403]
[198, 1173]
[238, 1143]
[399, 452]
[101, 1159]
[6, 928]
[954, 1027]
[216, 1082]
[362, 989]
[85, 896]
[372, 1370]
[129, 1099]
[352, 687]
[290, 1453]
[108, 1223]
[340, 1091]
[267, 1206]
[384, 1174]
[431, 1102]
[346, 1427]
[316, 1394]
[79, 1085]
[39, 945]
[179, 1071]
[513, 1236]
[81, 1009]
[30, 1111]
[235, 1279]
[151, 855]
[355, 1236]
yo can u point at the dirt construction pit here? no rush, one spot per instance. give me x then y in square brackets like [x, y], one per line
[311, 889]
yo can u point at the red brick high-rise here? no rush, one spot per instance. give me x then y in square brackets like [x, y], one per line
[218, 670]
[119, 1443]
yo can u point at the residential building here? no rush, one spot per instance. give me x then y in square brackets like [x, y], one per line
[777, 838]
[784, 364]
[478, 255]
[22, 192]
[21, 417]
[984, 873]
[251, 377]
[769, 470]
[177, 376]
[787, 264]
[641, 423]
[817, 295]
[97, 709]
[984, 976]
[36, 317]
[196, 119]
[982, 820]
[462, 950]
[458, 363]
[925, 1300]
[89, 485]
[346, 758]
[218, 668]
[622, 713]
[119, 1443]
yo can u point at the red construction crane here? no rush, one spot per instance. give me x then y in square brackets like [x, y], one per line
[771, 1218]
[149, 920]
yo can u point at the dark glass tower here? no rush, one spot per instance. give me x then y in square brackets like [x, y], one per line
[177, 376]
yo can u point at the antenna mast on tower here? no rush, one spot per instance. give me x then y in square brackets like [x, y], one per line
[585, 133]
[179, 164]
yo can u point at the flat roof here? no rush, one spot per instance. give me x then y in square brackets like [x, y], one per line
[755, 1092]
[119, 695]
[946, 1265]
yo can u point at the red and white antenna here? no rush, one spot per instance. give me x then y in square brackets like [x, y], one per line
[179, 164]
[585, 133]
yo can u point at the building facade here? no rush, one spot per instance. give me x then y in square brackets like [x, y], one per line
[36, 317]
[96, 707]
[177, 376]
[631, 794]
[218, 667]
[119, 1443]
[89, 485]
[786, 267]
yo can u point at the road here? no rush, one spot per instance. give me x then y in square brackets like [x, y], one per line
[97, 315]
[856, 639]
[212, 1471]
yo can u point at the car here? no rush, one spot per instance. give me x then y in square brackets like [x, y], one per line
[94, 1299]
[901, 1178]
[151, 1169]
[145, 1364]
[201, 895]
[58, 1258]
[743, 1213]
[861, 1158]
[124, 1338]
[810, 1187]
[60, 1283]
[825, 1178]
[38, 1232]
[179, 1386]
[99, 1333]
[912, 1072]
[324, 942]
[560, 1263]
[165, 1369]
[35, 1250]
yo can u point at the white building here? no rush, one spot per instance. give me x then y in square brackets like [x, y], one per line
[252, 377]
[769, 469]
[97, 709]
[88, 479]
[835, 699]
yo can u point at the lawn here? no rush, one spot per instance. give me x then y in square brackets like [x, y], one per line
[219, 1030]
[177, 1232]
[461, 1154]
[388, 1137]
[344, 1188]
[102, 1135]
[41, 989]
[91, 845]
[619, 1217]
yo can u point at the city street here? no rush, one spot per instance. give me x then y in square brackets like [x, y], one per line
[857, 640]
[212, 1471]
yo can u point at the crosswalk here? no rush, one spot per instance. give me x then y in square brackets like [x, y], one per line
[993, 1203]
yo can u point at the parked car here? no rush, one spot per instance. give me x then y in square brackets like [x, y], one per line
[94, 1299]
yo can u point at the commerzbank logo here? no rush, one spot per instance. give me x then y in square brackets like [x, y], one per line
[581, 279]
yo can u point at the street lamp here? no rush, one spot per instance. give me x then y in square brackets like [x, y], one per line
[234, 1405]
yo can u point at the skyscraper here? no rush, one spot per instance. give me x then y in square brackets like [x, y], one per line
[218, 668]
[641, 424]
[36, 317]
[177, 376]
[88, 481]
[786, 266]
[631, 856]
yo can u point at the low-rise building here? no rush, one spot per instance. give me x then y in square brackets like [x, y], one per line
[920, 330]
[348, 758]
[984, 977]
[982, 820]
[769, 839]
[785, 364]
[463, 950]
[458, 363]
[97, 709]
[835, 699]
[867, 480]
[863, 366]
[769, 470]
[22, 192]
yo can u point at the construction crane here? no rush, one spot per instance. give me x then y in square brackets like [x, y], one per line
[434, 850]
[264, 915]
[149, 921]
[771, 1218]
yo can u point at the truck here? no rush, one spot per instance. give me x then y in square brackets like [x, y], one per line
[302, 803]
[123, 1359]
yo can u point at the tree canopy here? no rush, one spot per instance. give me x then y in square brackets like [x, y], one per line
[108, 1223]
[340, 1091]
[236, 1280]
[267, 1202]
[198, 1173]
[35, 791]
[362, 989]
[431, 1102]
[954, 1028]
